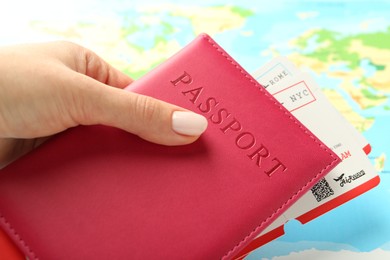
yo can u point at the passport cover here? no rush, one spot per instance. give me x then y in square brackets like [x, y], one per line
[99, 192]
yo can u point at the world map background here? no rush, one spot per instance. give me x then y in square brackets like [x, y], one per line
[344, 45]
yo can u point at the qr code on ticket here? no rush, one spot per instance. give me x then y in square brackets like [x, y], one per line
[321, 190]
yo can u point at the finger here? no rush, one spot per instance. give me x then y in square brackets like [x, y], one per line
[91, 65]
[82, 60]
[149, 118]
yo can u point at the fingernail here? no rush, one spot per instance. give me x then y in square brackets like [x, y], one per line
[188, 123]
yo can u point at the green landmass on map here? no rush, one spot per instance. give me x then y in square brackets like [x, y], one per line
[342, 56]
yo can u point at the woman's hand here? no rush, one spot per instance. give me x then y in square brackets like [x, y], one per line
[47, 88]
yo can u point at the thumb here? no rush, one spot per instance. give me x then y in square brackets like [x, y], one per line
[149, 118]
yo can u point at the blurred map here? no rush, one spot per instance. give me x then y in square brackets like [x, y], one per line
[345, 45]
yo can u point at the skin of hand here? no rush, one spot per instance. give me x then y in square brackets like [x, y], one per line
[47, 88]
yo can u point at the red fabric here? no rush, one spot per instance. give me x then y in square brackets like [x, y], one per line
[8, 250]
[100, 193]
[260, 241]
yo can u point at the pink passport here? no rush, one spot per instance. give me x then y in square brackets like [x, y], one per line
[100, 193]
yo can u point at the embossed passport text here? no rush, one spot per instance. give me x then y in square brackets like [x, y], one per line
[100, 193]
